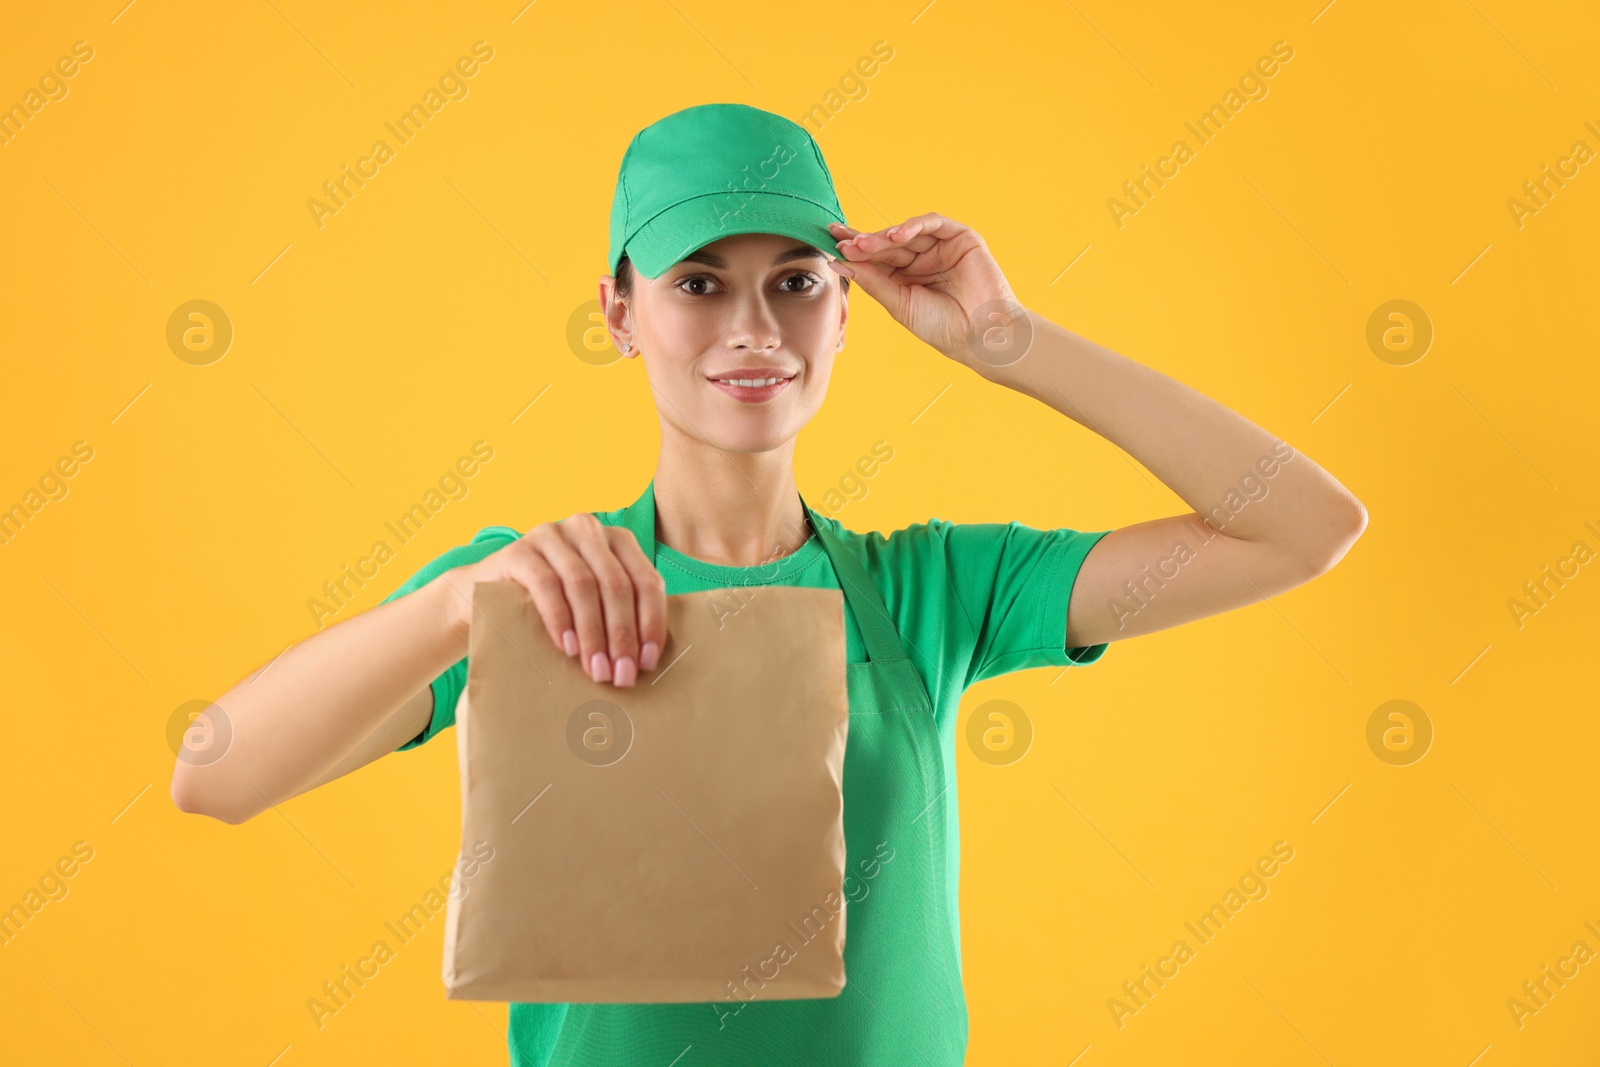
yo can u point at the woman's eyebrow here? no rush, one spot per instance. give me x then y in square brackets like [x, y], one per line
[798, 252]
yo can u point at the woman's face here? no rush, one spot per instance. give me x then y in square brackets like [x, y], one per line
[752, 307]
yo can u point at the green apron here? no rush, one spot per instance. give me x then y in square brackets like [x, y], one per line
[903, 1001]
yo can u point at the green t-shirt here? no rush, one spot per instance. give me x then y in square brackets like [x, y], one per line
[971, 601]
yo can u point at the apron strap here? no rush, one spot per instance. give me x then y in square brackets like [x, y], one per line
[872, 617]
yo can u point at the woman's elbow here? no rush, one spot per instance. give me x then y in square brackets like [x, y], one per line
[189, 797]
[1341, 533]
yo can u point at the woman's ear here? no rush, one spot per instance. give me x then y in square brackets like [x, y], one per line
[844, 315]
[614, 312]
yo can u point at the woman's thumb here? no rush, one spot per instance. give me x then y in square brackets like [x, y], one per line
[876, 282]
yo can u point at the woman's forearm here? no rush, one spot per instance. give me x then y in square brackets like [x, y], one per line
[289, 723]
[1203, 451]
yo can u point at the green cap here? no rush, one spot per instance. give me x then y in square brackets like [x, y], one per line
[712, 171]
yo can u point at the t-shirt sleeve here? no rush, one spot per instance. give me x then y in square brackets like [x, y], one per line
[447, 687]
[1014, 583]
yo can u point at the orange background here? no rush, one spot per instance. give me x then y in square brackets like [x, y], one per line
[437, 304]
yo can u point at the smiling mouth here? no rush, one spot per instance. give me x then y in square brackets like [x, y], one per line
[752, 383]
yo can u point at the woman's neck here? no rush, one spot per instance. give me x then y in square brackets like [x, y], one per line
[730, 509]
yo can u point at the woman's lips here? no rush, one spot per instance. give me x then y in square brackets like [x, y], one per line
[752, 394]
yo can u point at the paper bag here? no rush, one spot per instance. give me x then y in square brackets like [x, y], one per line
[660, 843]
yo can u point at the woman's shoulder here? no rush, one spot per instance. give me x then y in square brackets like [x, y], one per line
[502, 534]
[928, 531]
[915, 547]
[938, 543]
[487, 540]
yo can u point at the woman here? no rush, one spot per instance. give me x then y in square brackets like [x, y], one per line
[730, 274]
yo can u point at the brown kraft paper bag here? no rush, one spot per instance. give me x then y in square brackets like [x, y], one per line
[656, 843]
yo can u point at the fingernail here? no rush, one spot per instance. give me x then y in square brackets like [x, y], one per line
[652, 653]
[569, 643]
[840, 268]
[627, 673]
[600, 667]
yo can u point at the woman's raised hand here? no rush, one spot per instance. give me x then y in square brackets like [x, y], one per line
[598, 595]
[936, 278]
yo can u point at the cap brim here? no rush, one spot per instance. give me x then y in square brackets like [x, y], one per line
[695, 223]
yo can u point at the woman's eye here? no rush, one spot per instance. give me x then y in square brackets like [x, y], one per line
[689, 285]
